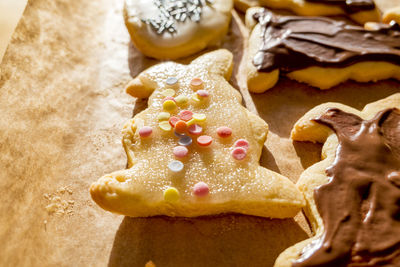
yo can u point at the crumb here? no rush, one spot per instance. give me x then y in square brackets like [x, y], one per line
[150, 264]
[58, 204]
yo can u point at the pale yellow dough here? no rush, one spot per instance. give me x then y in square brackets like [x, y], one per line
[304, 8]
[322, 78]
[235, 186]
[307, 130]
[190, 37]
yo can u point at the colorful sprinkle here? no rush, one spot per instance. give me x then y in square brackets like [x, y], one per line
[239, 153]
[204, 140]
[197, 83]
[175, 166]
[180, 151]
[173, 120]
[168, 92]
[169, 105]
[171, 194]
[180, 126]
[203, 93]
[195, 129]
[186, 115]
[185, 140]
[163, 116]
[171, 80]
[224, 132]
[196, 98]
[198, 117]
[178, 134]
[168, 98]
[201, 189]
[191, 122]
[165, 126]
[242, 143]
[145, 131]
[181, 100]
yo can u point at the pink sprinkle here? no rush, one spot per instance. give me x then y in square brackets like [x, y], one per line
[201, 189]
[239, 153]
[195, 129]
[145, 131]
[168, 98]
[180, 151]
[224, 131]
[186, 115]
[242, 143]
[202, 93]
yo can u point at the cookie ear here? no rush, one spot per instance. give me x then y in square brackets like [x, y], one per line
[141, 86]
[219, 62]
[306, 129]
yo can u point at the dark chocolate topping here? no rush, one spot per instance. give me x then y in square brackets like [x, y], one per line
[360, 205]
[349, 6]
[291, 43]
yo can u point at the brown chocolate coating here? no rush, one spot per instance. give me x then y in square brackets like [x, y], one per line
[349, 6]
[360, 205]
[291, 43]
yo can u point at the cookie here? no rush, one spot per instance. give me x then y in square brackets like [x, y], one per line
[318, 51]
[195, 150]
[359, 11]
[170, 29]
[353, 194]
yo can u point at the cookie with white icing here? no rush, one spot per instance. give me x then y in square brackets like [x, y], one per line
[353, 193]
[195, 150]
[319, 51]
[170, 29]
[359, 11]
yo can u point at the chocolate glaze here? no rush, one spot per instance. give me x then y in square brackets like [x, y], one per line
[360, 205]
[291, 43]
[349, 6]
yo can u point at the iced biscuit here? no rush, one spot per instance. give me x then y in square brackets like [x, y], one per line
[359, 11]
[195, 150]
[170, 29]
[353, 194]
[318, 51]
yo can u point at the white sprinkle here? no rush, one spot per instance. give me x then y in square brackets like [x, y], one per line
[175, 166]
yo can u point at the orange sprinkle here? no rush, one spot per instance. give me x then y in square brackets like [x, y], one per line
[180, 126]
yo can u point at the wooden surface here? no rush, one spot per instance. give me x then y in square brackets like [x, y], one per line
[62, 105]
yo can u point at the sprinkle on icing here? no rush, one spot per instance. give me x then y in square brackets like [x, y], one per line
[201, 189]
[199, 117]
[169, 105]
[195, 97]
[171, 81]
[239, 153]
[185, 140]
[180, 151]
[242, 143]
[163, 116]
[196, 84]
[145, 131]
[204, 140]
[168, 92]
[175, 11]
[181, 100]
[180, 126]
[173, 120]
[171, 194]
[175, 166]
[165, 126]
[186, 115]
[195, 129]
[203, 93]
[224, 132]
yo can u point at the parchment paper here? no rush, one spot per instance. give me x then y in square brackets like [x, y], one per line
[62, 105]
